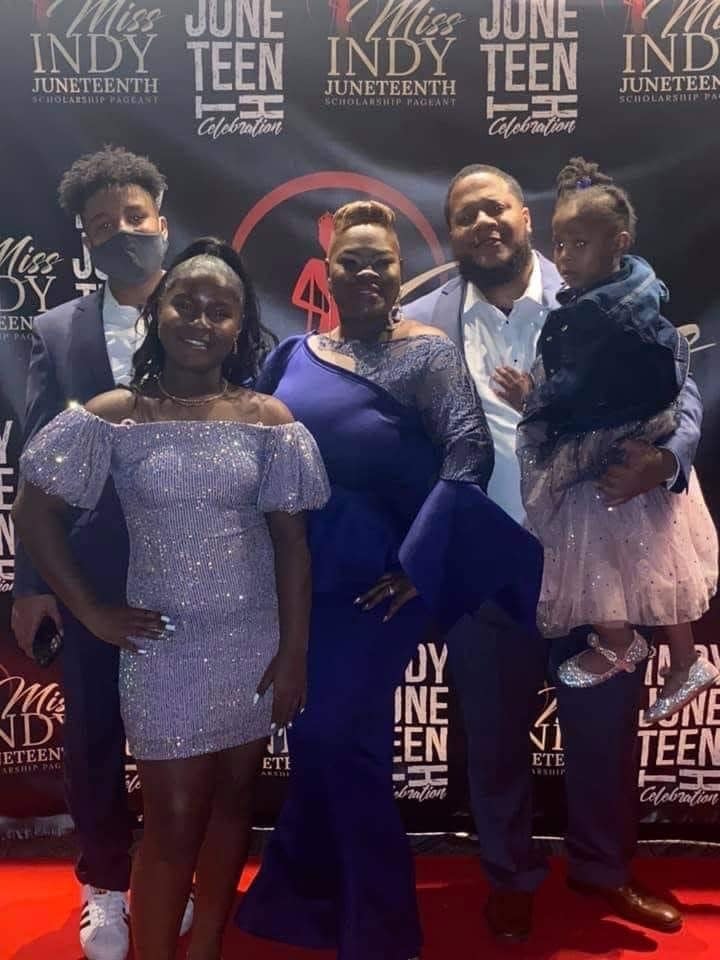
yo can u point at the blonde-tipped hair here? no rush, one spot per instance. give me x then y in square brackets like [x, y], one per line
[361, 212]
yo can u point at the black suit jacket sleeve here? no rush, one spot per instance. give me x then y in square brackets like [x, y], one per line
[43, 401]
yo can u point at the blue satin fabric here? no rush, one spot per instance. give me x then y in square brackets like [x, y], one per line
[337, 871]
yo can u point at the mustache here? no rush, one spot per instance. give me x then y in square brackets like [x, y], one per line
[486, 278]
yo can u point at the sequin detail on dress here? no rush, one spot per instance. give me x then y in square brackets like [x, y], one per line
[194, 495]
[650, 561]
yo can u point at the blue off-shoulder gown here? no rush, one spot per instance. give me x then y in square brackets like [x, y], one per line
[408, 454]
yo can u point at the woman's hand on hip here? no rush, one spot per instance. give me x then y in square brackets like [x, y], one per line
[126, 627]
[398, 588]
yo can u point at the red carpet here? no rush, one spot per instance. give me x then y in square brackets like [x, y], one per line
[39, 916]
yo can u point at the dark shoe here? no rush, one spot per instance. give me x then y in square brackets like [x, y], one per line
[634, 904]
[509, 915]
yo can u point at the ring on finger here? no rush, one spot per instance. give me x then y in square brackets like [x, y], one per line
[391, 590]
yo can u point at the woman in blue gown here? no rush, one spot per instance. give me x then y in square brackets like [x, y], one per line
[407, 541]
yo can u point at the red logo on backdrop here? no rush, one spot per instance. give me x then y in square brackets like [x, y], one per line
[636, 14]
[40, 9]
[340, 10]
[637, 10]
[310, 291]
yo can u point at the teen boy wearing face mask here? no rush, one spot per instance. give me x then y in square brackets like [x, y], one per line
[80, 349]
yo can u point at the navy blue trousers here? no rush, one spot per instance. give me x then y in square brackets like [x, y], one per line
[94, 742]
[497, 671]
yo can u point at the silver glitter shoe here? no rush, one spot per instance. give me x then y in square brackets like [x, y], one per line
[701, 675]
[573, 675]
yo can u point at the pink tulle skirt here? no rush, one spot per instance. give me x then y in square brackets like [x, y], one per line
[652, 561]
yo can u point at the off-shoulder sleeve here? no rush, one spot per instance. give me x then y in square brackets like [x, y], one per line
[70, 458]
[294, 477]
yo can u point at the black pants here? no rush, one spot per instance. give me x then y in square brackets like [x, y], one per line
[497, 671]
[94, 758]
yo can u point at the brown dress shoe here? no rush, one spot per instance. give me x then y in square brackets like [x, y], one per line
[509, 915]
[633, 903]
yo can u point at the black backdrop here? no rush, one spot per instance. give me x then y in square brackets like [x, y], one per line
[266, 114]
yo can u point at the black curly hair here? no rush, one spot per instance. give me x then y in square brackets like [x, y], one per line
[253, 343]
[584, 183]
[109, 167]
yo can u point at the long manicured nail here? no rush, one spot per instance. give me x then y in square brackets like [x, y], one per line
[256, 699]
[281, 731]
[385, 619]
[165, 619]
[141, 650]
[302, 711]
[170, 628]
[290, 725]
[357, 600]
[273, 727]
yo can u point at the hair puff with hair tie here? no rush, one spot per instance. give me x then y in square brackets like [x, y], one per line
[583, 183]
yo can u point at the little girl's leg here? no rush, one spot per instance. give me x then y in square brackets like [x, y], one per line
[613, 647]
[687, 676]
[682, 656]
[616, 636]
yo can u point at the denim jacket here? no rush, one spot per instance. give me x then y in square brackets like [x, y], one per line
[608, 355]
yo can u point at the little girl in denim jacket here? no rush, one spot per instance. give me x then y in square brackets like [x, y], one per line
[610, 369]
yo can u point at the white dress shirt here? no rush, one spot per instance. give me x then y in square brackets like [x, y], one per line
[121, 336]
[491, 339]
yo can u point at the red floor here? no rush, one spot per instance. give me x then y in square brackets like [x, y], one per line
[39, 916]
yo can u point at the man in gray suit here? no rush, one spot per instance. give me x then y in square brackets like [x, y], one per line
[494, 312]
[80, 349]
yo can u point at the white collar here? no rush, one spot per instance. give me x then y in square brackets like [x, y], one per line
[117, 314]
[533, 291]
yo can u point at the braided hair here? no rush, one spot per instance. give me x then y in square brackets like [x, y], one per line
[586, 186]
[253, 343]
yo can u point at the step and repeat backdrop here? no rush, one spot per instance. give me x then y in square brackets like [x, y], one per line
[265, 115]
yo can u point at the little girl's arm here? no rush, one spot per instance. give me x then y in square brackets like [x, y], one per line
[513, 386]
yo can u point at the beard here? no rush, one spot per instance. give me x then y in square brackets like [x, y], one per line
[488, 278]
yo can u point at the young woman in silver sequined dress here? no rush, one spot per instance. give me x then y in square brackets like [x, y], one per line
[213, 479]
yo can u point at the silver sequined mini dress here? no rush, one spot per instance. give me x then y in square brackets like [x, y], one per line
[194, 495]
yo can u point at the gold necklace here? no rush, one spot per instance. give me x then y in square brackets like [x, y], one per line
[193, 401]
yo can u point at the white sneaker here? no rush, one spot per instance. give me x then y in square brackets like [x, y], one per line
[187, 920]
[104, 924]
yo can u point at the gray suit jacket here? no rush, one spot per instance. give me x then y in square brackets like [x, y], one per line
[443, 308]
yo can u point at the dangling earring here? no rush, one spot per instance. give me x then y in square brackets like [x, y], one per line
[395, 315]
[235, 347]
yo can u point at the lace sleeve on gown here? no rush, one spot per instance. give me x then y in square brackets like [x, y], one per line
[294, 476]
[453, 415]
[462, 549]
[70, 458]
